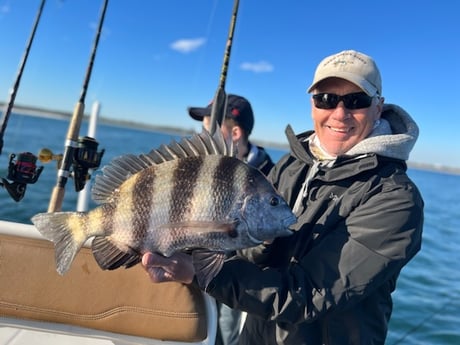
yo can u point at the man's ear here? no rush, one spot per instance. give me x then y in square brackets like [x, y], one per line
[237, 133]
[379, 107]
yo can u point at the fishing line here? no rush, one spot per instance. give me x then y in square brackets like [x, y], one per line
[201, 60]
[211, 18]
[425, 320]
[14, 133]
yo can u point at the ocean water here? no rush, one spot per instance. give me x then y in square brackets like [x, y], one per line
[427, 299]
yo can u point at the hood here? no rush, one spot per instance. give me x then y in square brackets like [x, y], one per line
[394, 137]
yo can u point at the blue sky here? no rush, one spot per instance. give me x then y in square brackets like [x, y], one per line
[157, 57]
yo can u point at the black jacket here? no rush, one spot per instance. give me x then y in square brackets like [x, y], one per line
[359, 222]
[259, 158]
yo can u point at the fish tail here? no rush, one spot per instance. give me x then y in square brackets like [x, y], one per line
[67, 231]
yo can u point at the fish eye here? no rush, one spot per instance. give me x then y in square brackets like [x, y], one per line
[274, 201]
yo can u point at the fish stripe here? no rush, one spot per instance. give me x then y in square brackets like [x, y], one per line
[122, 214]
[225, 171]
[168, 201]
[184, 184]
[142, 197]
[201, 205]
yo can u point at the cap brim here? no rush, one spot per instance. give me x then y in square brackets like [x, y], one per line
[198, 113]
[363, 84]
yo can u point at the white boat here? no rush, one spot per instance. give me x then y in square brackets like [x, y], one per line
[88, 305]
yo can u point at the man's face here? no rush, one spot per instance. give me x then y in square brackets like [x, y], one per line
[226, 130]
[340, 129]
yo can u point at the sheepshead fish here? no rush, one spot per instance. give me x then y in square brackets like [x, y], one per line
[192, 195]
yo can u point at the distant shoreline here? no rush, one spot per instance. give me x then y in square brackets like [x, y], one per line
[49, 113]
[55, 114]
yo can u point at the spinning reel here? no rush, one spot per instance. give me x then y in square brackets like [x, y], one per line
[21, 172]
[84, 157]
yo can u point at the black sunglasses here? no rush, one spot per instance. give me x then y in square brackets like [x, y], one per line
[357, 100]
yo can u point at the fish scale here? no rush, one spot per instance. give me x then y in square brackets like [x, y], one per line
[189, 196]
[186, 187]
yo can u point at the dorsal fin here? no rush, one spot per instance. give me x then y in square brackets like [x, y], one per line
[121, 168]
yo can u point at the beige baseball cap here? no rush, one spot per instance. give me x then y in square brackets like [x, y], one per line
[358, 68]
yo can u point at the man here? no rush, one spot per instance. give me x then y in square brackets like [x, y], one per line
[237, 126]
[360, 220]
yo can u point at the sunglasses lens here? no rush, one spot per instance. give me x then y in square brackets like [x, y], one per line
[357, 100]
[326, 100]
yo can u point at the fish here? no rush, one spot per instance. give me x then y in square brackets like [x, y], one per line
[191, 195]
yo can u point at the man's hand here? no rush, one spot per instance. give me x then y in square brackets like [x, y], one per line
[178, 267]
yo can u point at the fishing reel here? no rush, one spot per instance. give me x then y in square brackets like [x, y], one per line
[21, 172]
[85, 157]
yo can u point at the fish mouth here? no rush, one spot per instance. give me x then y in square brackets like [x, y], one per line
[288, 221]
[284, 230]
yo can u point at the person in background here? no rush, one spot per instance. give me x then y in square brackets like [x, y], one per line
[237, 126]
[360, 220]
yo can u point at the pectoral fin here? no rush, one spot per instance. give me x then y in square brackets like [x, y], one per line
[207, 265]
[204, 228]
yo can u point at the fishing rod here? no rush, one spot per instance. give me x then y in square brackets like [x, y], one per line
[9, 105]
[22, 169]
[220, 99]
[71, 144]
